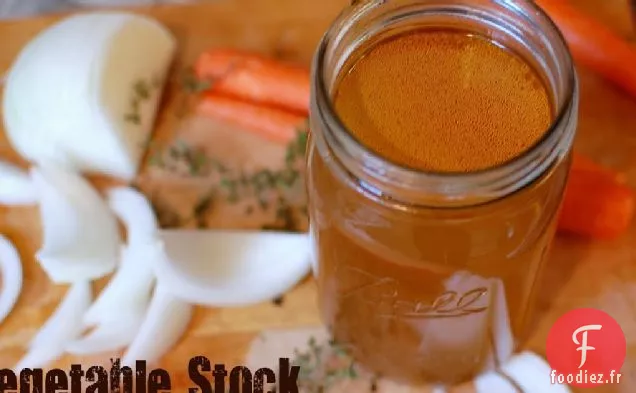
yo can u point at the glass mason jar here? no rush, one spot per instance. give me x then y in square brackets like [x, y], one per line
[431, 277]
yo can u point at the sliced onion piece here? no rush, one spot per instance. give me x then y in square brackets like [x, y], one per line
[231, 268]
[16, 187]
[106, 337]
[529, 372]
[118, 312]
[120, 308]
[63, 326]
[81, 237]
[39, 357]
[131, 286]
[166, 321]
[128, 292]
[134, 209]
[11, 274]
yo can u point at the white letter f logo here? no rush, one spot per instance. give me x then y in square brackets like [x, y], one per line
[583, 345]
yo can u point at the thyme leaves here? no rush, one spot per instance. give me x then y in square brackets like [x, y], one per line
[322, 365]
[183, 155]
[192, 84]
[265, 188]
[142, 91]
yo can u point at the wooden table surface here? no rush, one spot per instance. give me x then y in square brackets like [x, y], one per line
[582, 274]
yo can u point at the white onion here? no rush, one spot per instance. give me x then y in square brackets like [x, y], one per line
[16, 187]
[166, 321]
[81, 237]
[107, 337]
[134, 209]
[231, 268]
[70, 89]
[528, 370]
[128, 291]
[11, 274]
[119, 311]
[63, 326]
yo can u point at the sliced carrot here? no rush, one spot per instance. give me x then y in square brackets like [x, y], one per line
[271, 123]
[254, 77]
[596, 205]
[594, 45]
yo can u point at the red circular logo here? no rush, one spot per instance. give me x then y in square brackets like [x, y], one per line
[586, 348]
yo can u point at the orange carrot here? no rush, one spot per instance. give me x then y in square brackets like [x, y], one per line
[254, 77]
[581, 162]
[594, 45]
[595, 204]
[271, 123]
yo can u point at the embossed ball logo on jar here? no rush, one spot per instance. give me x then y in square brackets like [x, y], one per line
[586, 348]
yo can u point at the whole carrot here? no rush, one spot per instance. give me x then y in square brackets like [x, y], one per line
[581, 162]
[596, 205]
[594, 45]
[254, 77]
[270, 123]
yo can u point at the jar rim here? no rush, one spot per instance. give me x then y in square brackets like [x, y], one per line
[322, 106]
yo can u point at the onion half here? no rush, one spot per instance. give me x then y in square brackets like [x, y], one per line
[85, 92]
[231, 268]
[81, 237]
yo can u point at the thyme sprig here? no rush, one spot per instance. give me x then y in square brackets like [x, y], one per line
[191, 87]
[266, 186]
[323, 365]
[182, 154]
[192, 84]
[297, 148]
[142, 91]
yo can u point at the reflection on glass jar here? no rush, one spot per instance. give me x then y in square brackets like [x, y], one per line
[429, 276]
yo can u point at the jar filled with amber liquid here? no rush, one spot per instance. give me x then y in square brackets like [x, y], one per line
[441, 133]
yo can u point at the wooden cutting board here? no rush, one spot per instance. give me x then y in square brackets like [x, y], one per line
[582, 274]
